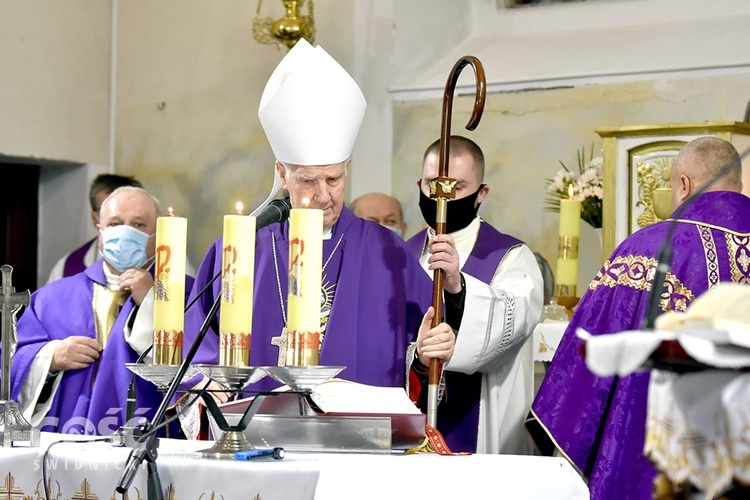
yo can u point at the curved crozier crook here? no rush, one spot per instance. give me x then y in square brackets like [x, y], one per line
[442, 204]
[476, 114]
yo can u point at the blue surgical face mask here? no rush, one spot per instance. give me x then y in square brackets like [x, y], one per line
[396, 230]
[124, 247]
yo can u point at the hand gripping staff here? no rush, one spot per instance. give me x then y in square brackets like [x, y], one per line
[442, 189]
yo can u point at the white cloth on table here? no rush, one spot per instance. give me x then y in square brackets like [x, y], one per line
[697, 428]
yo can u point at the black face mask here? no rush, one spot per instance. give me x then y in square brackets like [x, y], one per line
[460, 212]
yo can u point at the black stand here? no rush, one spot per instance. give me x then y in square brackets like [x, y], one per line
[147, 444]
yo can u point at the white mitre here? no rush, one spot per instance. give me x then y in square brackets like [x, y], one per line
[311, 108]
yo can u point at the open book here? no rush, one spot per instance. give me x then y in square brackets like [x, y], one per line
[341, 397]
[337, 399]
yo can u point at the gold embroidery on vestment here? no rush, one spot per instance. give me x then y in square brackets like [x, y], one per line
[738, 247]
[106, 306]
[712, 261]
[636, 271]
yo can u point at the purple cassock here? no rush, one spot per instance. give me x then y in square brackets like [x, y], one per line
[91, 400]
[74, 264]
[458, 412]
[600, 423]
[379, 296]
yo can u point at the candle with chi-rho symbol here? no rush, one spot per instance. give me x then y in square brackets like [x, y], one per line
[567, 246]
[169, 288]
[305, 272]
[237, 276]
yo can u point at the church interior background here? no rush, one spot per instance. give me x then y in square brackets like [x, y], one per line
[168, 91]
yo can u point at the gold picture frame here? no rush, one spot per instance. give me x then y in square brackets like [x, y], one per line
[627, 195]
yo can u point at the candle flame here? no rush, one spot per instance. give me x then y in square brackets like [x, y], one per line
[306, 202]
[570, 190]
[170, 212]
[239, 206]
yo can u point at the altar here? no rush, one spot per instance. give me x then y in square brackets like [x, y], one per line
[91, 470]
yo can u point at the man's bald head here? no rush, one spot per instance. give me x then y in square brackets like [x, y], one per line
[381, 208]
[700, 161]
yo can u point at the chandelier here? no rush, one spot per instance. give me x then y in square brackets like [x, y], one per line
[287, 30]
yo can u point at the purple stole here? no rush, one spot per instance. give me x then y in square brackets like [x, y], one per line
[381, 294]
[600, 422]
[74, 263]
[458, 413]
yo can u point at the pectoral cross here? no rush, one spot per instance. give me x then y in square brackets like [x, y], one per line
[280, 342]
[13, 426]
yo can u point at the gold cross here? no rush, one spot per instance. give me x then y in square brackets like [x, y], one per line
[9, 490]
[85, 493]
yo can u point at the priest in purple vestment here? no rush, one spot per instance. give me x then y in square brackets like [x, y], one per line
[599, 424]
[497, 284]
[88, 253]
[375, 297]
[69, 373]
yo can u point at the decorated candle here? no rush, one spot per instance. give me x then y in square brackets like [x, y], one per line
[567, 246]
[237, 272]
[305, 270]
[169, 288]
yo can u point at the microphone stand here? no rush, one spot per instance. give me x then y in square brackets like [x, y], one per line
[147, 444]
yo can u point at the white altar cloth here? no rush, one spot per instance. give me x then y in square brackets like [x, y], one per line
[91, 470]
[547, 337]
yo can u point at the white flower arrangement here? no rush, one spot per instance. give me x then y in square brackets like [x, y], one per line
[586, 186]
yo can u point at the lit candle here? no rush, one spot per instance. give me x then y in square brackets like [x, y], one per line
[237, 274]
[305, 271]
[567, 246]
[169, 288]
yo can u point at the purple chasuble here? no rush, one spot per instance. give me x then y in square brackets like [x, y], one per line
[458, 412]
[381, 295]
[600, 423]
[74, 264]
[91, 400]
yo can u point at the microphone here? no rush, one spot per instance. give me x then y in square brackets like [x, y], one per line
[664, 262]
[276, 211]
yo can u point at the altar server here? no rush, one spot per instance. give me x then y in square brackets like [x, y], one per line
[489, 379]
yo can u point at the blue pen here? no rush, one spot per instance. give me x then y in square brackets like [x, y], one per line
[277, 453]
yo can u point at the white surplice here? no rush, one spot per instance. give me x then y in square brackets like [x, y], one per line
[502, 355]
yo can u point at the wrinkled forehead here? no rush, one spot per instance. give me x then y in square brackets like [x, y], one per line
[317, 171]
[128, 204]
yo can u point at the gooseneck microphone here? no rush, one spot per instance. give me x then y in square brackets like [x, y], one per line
[276, 211]
[664, 263]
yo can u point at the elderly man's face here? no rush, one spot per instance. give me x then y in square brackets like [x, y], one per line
[323, 185]
[132, 208]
